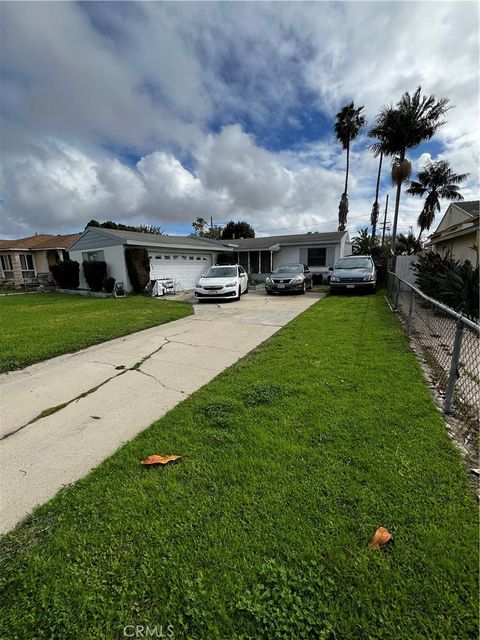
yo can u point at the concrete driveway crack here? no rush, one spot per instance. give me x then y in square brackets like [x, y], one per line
[50, 410]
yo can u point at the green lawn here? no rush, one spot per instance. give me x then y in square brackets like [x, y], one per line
[292, 458]
[39, 326]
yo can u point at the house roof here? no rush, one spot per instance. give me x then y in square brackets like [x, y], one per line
[155, 239]
[39, 241]
[471, 207]
[299, 239]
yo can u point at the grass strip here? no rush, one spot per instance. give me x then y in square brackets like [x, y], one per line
[292, 458]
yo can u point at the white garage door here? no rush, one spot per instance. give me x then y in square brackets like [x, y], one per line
[184, 268]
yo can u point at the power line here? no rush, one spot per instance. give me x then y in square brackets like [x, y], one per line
[309, 226]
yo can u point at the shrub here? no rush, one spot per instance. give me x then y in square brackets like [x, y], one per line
[66, 274]
[138, 266]
[95, 271]
[108, 284]
[449, 281]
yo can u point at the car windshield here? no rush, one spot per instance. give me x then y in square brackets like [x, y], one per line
[289, 268]
[354, 263]
[221, 272]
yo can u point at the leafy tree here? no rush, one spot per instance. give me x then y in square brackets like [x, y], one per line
[415, 118]
[364, 244]
[142, 228]
[349, 121]
[437, 181]
[236, 230]
[408, 244]
[138, 267]
[205, 230]
[95, 271]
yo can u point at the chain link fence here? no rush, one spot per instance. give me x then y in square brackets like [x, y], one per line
[448, 342]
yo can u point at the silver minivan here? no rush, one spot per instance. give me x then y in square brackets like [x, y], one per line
[354, 273]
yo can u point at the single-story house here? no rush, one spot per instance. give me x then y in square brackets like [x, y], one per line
[186, 258]
[25, 258]
[320, 251]
[458, 232]
[182, 258]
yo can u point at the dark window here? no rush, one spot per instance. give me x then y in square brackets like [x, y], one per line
[26, 262]
[265, 262]
[317, 257]
[7, 268]
[254, 262]
[93, 256]
[243, 259]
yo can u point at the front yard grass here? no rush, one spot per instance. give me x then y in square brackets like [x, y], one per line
[40, 326]
[292, 458]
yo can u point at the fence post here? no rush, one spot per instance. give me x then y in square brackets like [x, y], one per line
[398, 294]
[410, 313]
[452, 377]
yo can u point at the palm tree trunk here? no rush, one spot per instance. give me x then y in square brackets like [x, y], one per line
[397, 206]
[374, 226]
[347, 169]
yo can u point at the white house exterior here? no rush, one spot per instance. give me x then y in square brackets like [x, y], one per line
[457, 234]
[184, 259]
[320, 251]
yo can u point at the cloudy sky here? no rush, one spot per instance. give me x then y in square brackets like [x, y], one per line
[161, 112]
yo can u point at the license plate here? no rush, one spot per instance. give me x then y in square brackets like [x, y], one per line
[350, 286]
[281, 286]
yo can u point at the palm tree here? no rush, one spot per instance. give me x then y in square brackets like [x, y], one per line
[438, 181]
[408, 244]
[347, 127]
[397, 129]
[376, 208]
[364, 244]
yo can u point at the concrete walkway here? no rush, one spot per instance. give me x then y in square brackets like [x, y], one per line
[101, 397]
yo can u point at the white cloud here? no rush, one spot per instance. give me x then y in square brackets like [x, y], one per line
[182, 86]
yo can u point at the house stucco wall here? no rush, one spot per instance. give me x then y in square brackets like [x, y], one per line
[462, 248]
[114, 257]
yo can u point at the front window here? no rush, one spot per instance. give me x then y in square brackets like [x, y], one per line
[26, 262]
[221, 272]
[354, 263]
[6, 262]
[317, 257]
[93, 256]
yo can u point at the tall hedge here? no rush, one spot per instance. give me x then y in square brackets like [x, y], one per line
[138, 266]
[66, 274]
[95, 271]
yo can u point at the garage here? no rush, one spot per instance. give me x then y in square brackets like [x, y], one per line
[184, 268]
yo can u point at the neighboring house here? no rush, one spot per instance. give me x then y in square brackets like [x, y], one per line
[320, 251]
[457, 234]
[25, 258]
[183, 258]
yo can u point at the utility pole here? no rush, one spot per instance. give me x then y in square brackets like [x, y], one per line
[211, 222]
[385, 220]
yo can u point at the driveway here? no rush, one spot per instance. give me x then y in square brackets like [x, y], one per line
[62, 417]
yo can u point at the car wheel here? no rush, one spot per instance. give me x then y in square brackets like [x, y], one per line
[304, 288]
[239, 291]
[269, 293]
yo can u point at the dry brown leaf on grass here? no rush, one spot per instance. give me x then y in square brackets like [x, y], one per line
[154, 459]
[379, 538]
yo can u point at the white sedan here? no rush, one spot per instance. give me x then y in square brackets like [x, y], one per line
[222, 282]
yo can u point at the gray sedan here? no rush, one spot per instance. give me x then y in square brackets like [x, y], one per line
[289, 277]
[354, 273]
